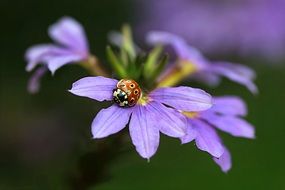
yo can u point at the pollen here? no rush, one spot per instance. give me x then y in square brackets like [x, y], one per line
[143, 100]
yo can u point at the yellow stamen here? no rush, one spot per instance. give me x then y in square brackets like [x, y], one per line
[191, 115]
[182, 69]
[143, 100]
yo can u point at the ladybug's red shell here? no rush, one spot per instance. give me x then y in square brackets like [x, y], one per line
[127, 93]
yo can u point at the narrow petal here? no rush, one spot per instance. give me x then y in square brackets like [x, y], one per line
[35, 54]
[241, 69]
[225, 161]
[182, 49]
[55, 62]
[70, 33]
[230, 124]
[169, 121]
[229, 105]
[97, 88]
[183, 98]
[144, 133]
[207, 139]
[208, 78]
[191, 133]
[109, 121]
[52, 56]
[236, 73]
[35, 80]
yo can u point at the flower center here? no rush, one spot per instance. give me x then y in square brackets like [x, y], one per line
[143, 100]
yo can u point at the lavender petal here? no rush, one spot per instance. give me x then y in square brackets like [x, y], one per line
[97, 88]
[144, 133]
[225, 161]
[207, 78]
[183, 98]
[182, 49]
[109, 121]
[52, 56]
[70, 33]
[230, 124]
[55, 62]
[191, 133]
[34, 82]
[237, 73]
[229, 105]
[169, 121]
[207, 139]
[35, 54]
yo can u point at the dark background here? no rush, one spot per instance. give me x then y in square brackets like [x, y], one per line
[45, 140]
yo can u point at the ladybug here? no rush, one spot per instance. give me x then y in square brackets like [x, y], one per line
[127, 93]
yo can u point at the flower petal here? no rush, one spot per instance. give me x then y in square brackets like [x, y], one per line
[225, 161]
[70, 33]
[237, 73]
[35, 54]
[35, 80]
[55, 62]
[97, 88]
[169, 121]
[207, 139]
[229, 105]
[109, 121]
[183, 98]
[52, 56]
[191, 133]
[206, 77]
[183, 50]
[241, 69]
[230, 124]
[144, 133]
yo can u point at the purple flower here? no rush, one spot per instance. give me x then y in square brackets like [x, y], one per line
[72, 47]
[225, 115]
[248, 27]
[154, 113]
[206, 71]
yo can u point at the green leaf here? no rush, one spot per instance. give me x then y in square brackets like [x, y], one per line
[161, 65]
[151, 61]
[124, 57]
[128, 43]
[115, 63]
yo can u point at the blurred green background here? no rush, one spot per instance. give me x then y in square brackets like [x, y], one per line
[45, 140]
